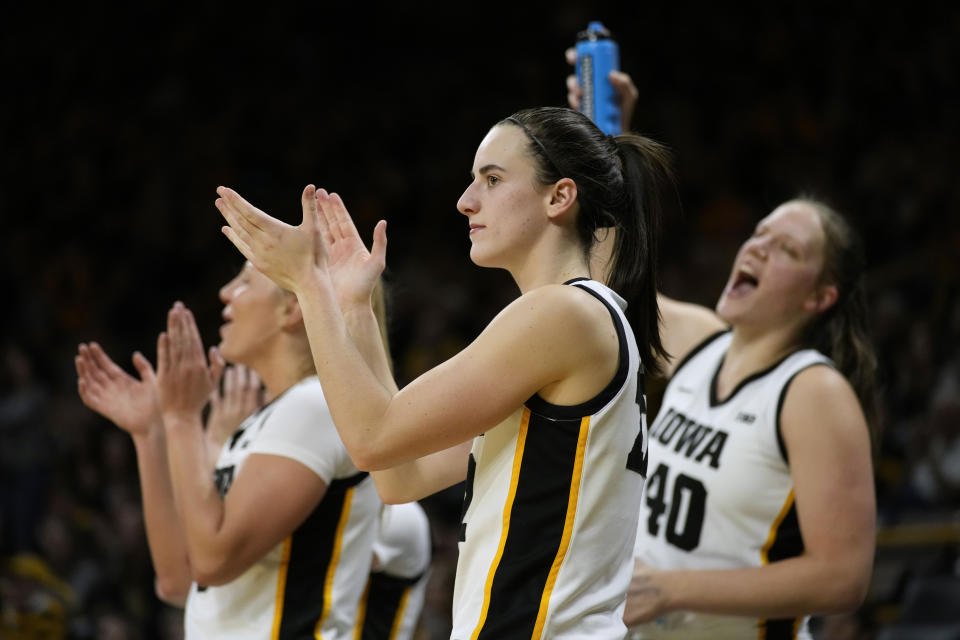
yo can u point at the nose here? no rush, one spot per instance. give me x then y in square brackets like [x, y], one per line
[224, 293]
[758, 247]
[468, 204]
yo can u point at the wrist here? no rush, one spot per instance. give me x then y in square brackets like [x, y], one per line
[177, 420]
[671, 589]
[308, 281]
[149, 436]
[215, 439]
[317, 292]
[354, 310]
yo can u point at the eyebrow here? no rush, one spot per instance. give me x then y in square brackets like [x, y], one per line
[487, 168]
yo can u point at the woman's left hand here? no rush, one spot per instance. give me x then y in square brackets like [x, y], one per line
[353, 269]
[645, 595]
[286, 254]
[241, 396]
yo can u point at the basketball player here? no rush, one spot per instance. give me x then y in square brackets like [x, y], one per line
[760, 508]
[278, 542]
[542, 413]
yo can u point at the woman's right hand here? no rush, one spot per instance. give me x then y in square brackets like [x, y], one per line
[103, 386]
[184, 379]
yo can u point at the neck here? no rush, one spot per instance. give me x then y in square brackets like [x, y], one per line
[550, 263]
[283, 366]
[752, 351]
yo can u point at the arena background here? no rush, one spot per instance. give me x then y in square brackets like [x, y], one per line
[118, 121]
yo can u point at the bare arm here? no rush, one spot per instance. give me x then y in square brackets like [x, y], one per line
[829, 452]
[511, 360]
[423, 476]
[224, 537]
[355, 272]
[684, 325]
[473, 391]
[420, 477]
[131, 404]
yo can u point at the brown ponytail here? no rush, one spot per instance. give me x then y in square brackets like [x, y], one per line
[619, 182]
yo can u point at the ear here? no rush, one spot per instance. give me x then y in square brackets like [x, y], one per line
[291, 315]
[822, 299]
[561, 198]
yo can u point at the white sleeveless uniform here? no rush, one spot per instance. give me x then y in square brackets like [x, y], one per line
[309, 585]
[393, 600]
[550, 511]
[719, 493]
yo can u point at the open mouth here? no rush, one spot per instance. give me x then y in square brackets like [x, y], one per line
[744, 281]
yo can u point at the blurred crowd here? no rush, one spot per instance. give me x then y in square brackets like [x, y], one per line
[868, 121]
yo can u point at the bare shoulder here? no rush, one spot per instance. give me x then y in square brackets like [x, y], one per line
[562, 303]
[684, 325]
[561, 314]
[821, 400]
[821, 384]
[555, 340]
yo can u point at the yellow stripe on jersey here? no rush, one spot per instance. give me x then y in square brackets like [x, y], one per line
[795, 629]
[764, 558]
[281, 588]
[361, 612]
[772, 536]
[398, 619]
[567, 526]
[511, 494]
[334, 558]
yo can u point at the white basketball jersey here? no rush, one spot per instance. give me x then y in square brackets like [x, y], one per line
[396, 590]
[550, 511]
[309, 585]
[719, 493]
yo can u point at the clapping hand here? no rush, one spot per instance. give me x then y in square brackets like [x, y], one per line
[353, 269]
[103, 386]
[286, 254]
[241, 396]
[184, 379]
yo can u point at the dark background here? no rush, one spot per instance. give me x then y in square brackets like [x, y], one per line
[118, 122]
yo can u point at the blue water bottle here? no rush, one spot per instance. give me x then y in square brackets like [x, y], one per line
[597, 56]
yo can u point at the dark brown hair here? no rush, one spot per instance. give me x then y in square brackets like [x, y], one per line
[842, 331]
[619, 184]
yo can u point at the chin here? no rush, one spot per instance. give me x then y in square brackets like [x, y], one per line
[728, 310]
[225, 352]
[480, 259]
